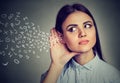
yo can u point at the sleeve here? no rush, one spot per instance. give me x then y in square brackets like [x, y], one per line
[117, 78]
[114, 76]
[43, 76]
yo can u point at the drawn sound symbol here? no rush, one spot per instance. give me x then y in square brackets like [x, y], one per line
[3, 16]
[16, 61]
[20, 34]
[5, 64]
[7, 39]
[10, 16]
[17, 21]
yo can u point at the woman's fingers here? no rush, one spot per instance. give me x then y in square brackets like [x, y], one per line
[58, 51]
[53, 33]
[54, 37]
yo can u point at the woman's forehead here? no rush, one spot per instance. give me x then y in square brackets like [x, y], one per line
[77, 17]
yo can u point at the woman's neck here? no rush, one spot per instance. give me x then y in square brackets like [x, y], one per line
[85, 57]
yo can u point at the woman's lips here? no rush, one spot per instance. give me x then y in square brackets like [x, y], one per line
[83, 42]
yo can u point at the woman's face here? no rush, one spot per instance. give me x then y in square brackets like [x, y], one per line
[79, 32]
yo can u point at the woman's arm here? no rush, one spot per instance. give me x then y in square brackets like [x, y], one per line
[59, 57]
[53, 74]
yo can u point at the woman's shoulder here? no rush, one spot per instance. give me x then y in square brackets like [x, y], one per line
[107, 66]
[102, 65]
[108, 70]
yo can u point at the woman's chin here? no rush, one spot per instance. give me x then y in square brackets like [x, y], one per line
[83, 50]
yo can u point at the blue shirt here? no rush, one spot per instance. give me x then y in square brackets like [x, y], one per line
[95, 71]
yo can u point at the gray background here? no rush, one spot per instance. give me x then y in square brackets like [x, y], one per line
[43, 13]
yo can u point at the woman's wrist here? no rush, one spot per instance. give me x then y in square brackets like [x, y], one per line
[56, 66]
[53, 73]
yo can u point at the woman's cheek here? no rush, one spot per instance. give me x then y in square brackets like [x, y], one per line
[69, 39]
[71, 43]
[93, 39]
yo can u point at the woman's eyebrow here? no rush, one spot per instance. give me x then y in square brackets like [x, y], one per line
[72, 25]
[87, 22]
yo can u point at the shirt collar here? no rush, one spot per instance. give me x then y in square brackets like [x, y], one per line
[90, 65]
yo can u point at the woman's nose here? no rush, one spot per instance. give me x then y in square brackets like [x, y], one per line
[81, 33]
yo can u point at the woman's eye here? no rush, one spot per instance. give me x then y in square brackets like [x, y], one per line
[88, 26]
[72, 29]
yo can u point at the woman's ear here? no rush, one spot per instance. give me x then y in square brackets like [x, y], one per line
[61, 37]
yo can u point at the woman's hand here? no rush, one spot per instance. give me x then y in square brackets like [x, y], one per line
[59, 57]
[58, 51]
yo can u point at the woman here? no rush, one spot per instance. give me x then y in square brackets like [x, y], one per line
[75, 51]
